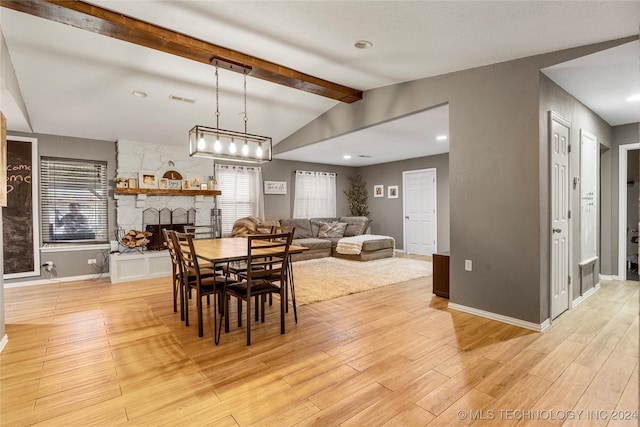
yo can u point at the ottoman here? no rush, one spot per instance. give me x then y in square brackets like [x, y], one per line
[365, 247]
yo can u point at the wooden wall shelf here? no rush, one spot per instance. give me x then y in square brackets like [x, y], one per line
[167, 192]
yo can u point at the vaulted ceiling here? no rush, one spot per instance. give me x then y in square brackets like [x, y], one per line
[77, 83]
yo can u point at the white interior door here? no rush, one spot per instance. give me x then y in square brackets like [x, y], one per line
[420, 211]
[560, 243]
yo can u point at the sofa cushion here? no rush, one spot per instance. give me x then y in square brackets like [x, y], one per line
[333, 229]
[312, 243]
[315, 224]
[356, 225]
[302, 225]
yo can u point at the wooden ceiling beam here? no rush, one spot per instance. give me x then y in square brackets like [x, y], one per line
[108, 23]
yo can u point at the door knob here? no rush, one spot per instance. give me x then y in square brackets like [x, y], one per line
[557, 230]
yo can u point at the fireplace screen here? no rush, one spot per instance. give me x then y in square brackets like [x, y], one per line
[154, 220]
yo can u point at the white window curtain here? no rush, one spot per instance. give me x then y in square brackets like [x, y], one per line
[241, 189]
[315, 195]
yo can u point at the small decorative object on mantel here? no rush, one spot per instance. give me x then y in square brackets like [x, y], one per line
[148, 180]
[194, 182]
[213, 183]
[122, 182]
[133, 182]
[174, 179]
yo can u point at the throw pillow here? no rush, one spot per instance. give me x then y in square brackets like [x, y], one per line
[334, 229]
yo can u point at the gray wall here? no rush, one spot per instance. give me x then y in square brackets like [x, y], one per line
[387, 214]
[74, 262]
[281, 206]
[498, 169]
[554, 98]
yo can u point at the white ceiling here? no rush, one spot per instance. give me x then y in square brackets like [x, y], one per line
[76, 83]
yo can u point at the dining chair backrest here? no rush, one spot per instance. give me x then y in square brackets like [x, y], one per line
[267, 255]
[201, 231]
[279, 229]
[184, 244]
[176, 266]
[264, 229]
[169, 237]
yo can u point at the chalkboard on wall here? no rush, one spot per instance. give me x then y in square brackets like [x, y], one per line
[19, 226]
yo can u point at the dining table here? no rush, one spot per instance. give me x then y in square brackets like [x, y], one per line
[236, 249]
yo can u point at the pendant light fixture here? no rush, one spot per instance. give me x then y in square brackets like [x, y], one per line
[216, 143]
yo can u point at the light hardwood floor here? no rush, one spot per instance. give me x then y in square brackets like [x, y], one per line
[93, 353]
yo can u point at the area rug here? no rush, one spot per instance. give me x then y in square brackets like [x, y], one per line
[326, 278]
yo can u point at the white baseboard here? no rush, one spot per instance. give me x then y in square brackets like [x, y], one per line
[584, 296]
[500, 318]
[609, 277]
[56, 280]
[3, 342]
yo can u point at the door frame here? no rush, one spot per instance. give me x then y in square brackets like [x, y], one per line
[622, 208]
[553, 116]
[435, 205]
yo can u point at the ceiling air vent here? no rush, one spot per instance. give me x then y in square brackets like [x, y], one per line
[181, 99]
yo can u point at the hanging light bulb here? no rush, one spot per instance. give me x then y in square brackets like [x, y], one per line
[216, 145]
[232, 147]
[201, 142]
[245, 148]
[259, 150]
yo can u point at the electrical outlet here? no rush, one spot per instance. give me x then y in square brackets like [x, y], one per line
[468, 265]
[48, 265]
[91, 261]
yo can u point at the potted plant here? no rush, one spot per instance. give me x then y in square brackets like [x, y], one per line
[357, 196]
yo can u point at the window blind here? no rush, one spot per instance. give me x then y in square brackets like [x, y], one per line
[73, 200]
[241, 197]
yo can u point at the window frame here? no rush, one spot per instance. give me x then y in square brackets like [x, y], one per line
[96, 210]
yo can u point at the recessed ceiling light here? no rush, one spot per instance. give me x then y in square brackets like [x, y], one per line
[634, 98]
[441, 137]
[362, 44]
[346, 156]
[139, 94]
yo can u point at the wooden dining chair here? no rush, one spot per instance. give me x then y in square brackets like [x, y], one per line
[267, 260]
[204, 282]
[176, 272]
[239, 268]
[279, 229]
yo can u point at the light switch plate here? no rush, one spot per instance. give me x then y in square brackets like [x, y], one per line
[468, 266]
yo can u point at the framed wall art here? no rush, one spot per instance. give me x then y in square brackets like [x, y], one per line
[148, 180]
[392, 191]
[275, 187]
[378, 191]
[194, 182]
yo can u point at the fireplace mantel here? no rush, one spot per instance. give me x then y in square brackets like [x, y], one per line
[166, 192]
[142, 193]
